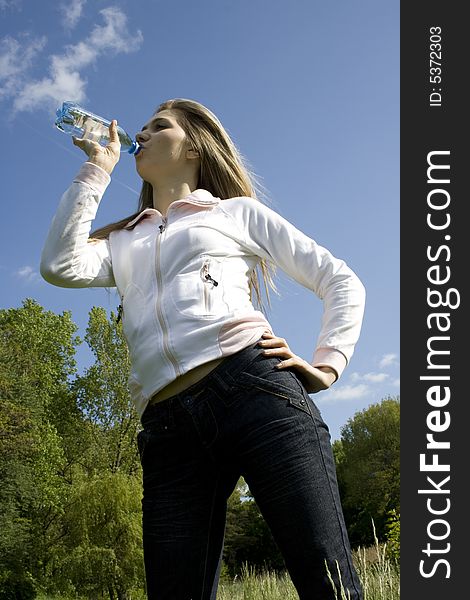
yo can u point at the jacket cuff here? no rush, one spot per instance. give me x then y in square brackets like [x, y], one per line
[329, 357]
[94, 176]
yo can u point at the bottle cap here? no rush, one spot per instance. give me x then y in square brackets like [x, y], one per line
[134, 149]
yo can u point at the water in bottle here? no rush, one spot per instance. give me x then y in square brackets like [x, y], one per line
[81, 123]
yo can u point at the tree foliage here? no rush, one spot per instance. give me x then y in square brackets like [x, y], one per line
[36, 361]
[102, 549]
[103, 397]
[368, 467]
[67, 452]
[393, 535]
[248, 539]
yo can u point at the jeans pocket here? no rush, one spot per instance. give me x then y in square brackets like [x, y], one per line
[282, 384]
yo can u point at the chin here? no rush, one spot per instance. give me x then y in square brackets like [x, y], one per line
[139, 169]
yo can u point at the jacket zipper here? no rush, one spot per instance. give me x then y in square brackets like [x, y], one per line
[207, 278]
[166, 347]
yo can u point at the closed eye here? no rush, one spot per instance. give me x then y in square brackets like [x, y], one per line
[156, 124]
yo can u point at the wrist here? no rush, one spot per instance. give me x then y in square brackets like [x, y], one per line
[94, 176]
[330, 371]
[107, 168]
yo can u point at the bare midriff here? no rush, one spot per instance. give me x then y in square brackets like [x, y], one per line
[184, 381]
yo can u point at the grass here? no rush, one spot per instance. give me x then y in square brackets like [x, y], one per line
[380, 579]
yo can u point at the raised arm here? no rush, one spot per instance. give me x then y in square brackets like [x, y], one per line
[69, 258]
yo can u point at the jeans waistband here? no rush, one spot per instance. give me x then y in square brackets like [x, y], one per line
[226, 371]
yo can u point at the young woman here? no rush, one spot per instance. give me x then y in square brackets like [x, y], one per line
[218, 393]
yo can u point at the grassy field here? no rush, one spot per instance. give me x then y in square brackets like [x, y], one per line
[380, 578]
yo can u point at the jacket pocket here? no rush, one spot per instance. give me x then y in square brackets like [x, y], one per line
[211, 276]
[199, 290]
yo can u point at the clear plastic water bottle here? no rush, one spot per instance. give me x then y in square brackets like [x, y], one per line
[81, 123]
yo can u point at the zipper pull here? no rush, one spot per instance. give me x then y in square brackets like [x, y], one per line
[162, 227]
[119, 314]
[209, 278]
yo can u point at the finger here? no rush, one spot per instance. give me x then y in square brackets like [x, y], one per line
[275, 346]
[88, 146]
[268, 343]
[278, 352]
[276, 340]
[113, 132]
[82, 144]
[289, 362]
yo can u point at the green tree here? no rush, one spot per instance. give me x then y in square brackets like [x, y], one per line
[393, 536]
[37, 350]
[103, 398]
[368, 467]
[99, 536]
[102, 552]
[247, 536]
[70, 513]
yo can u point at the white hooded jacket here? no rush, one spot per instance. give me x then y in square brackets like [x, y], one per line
[183, 279]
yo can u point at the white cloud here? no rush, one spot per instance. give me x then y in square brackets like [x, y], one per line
[16, 58]
[375, 377]
[370, 377]
[71, 12]
[346, 392]
[396, 382]
[114, 34]
[13, 4]
[65, 80]
[28, 274]
[388, 360]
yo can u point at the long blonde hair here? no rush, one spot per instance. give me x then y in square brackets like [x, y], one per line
[224, 172]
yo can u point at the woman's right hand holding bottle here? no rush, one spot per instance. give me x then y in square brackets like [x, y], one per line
[105, 157]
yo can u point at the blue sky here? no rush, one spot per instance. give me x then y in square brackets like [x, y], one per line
[308, 90]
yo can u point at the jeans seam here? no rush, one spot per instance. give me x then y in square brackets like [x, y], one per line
[347, 554]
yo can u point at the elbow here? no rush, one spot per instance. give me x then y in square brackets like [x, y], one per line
[54, 274]
[48, 272]
[62, 275]
[361, 288]
[45, 268]
[360, 291]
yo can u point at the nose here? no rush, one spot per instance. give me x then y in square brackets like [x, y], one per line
[141, 137]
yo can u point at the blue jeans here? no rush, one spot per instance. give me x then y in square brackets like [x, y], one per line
[243, 418]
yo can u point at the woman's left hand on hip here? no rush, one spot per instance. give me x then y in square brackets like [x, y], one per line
[314, 379]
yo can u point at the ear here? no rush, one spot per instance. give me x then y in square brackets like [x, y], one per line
[192, 154]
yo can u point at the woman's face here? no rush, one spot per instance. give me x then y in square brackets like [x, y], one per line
[164, 150]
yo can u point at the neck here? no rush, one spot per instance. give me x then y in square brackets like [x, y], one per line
[163, 196]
